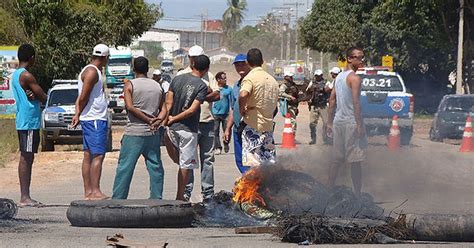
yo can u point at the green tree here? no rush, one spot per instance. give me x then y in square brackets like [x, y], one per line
[233, 16]
[261, 37]
[64, 32]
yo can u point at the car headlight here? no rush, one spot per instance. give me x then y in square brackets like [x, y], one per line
[51, 117]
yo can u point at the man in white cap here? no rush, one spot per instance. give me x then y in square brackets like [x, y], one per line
[318, 99]
[165, 85]
[330, 84]
[289, 92]
[91, 113]
[206, 130]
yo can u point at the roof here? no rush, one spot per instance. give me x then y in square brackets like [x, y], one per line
[221, 50]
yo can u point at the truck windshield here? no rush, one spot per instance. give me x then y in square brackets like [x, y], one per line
[167, 63]
[462, 104]
[381, 83]
[62, 97]
[120, 62]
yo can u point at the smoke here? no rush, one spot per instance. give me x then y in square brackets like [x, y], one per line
[430, 177]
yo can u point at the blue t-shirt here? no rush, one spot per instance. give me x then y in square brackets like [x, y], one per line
[235, 104]
[222, 106]
[28, 113]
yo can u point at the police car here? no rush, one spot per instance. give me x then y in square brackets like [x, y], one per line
[384, 95]
[57, 116]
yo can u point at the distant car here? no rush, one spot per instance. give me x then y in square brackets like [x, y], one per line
[116, 99]
[167, 66]
[450, 119]
[57, 116]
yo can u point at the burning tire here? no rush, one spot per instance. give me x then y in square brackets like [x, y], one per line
[130, 213]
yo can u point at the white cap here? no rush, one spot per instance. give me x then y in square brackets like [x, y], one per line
[195, 51]
[101, 50]
[288, 73]
[318, 72]
[156, 72]
[335, 70]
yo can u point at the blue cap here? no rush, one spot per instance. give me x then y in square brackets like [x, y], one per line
[240, 58]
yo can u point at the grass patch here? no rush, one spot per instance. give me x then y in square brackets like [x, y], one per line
[8, 140]
[424, 116]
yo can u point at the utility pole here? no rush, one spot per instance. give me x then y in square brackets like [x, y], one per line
[202, 31]
[296, 4]
[459, 81]
[205, 31]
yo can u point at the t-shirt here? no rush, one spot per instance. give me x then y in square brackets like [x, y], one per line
[186, 88]
[263, 99]
[222, 106]
[146, 96]
[210, 81]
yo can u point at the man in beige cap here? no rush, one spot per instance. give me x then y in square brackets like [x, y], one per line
[206, 130]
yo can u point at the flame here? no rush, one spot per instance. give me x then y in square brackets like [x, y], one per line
[246, 188]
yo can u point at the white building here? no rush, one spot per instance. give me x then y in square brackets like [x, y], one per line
[169, 41]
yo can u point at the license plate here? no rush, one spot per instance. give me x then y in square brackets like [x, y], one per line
[70, 128]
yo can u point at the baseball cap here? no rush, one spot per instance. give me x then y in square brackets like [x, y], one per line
[240, 58]
[101, 50]
[195, 51]
[156, 72]
[318, 72]
[335, 70]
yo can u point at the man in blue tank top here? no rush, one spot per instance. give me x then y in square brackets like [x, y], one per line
[346, 126]
[28, 96]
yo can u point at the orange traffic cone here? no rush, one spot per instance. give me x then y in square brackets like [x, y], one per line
[288, 135]
[467, 144]
[394, 136]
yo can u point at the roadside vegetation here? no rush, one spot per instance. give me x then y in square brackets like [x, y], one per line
[8, 140]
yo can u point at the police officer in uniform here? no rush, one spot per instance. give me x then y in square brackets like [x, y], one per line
[318, 99]
[289, 92]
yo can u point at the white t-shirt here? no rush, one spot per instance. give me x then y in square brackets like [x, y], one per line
[96, 108]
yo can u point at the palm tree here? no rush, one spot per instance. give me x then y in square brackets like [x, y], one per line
[233, 16]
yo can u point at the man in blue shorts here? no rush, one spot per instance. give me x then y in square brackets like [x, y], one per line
[91, 112]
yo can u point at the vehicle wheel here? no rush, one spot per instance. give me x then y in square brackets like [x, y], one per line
[130, 213]
[109, 141]
[435, 136]
[118, 111]
[46, 145]
[405, 136]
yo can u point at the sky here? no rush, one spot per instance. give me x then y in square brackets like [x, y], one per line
[186, 14]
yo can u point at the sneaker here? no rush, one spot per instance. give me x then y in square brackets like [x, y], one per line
[226, 147]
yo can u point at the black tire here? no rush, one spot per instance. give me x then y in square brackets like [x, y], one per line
[46, 145]
[435, 135]
[118, 111]
[405, 136]
[130, 213]
[109, 141]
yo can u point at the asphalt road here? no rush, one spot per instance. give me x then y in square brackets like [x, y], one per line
[433, 177]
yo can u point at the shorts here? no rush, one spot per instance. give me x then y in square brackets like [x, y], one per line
[257, 148]
[347, 145]
[29, 140]
[187, 143]
[94, 136]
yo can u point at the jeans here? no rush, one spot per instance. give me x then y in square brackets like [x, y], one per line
[219, 120]
[206, 157]
[238, 152]
[131, 149]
